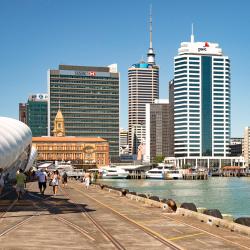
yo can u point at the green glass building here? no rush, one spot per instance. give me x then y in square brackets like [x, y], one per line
[37, 114]
[89, 100]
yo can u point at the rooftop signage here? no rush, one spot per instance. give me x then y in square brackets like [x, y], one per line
[85, 73]
[200, 48]
[38, 97]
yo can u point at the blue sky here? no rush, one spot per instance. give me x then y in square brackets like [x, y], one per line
[37, 35]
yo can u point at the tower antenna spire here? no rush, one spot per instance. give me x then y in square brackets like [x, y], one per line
[151, 54]
[150, 28]
[192, 34]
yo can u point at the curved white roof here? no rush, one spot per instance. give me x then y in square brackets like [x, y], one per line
[15, 136]
[33, 155]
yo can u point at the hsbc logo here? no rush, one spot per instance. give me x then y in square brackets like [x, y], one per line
[83, 73]
[92, 73]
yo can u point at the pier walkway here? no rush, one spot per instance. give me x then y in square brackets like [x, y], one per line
[79, 218]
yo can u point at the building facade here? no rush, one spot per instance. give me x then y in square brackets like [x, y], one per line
[89, 100]
[157, 130]
[143, 88]
[236, 144]
[201, 101]
[37, 114]
[84, 152]
[246, 147]
[23, 112]
[123, 142]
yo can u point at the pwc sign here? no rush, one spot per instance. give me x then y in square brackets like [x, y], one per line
[204, 47]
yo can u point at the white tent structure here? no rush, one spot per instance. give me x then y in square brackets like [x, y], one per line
[15, 146]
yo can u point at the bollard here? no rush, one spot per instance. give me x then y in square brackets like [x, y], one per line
[171, 203]
[124, 192]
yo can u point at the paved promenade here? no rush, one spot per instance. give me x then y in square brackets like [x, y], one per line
[79, 218]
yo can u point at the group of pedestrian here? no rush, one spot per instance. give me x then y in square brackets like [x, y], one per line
[53, 178]
[42, 177]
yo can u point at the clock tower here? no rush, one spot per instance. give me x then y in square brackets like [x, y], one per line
[59, 129]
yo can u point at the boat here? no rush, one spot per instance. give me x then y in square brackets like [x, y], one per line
[64, 166]
[114, 173]
[174, 174]
[158, 172]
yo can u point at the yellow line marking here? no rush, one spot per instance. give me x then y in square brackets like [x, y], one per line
[205, 232]
[129, 219]
[184, 236]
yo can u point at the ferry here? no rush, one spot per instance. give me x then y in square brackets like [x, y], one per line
[114, 173]
[158, 172]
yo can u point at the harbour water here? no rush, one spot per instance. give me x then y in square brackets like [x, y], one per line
[229, 195]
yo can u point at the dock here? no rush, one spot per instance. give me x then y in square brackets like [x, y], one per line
[195, 176]
[99, 218]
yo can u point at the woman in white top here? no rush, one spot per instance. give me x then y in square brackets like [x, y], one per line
[55, 177]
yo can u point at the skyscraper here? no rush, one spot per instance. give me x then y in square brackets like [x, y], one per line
[89, 100]
[143, 88]
[158, 130]
[37, 114]
[201, 100]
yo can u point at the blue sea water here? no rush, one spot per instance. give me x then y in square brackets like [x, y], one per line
[229, 195]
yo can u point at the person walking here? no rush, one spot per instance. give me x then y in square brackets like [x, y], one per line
[42, 180]
[20, 183]
[55, 177]
[64, 178]
[1, 181]
[87, 179]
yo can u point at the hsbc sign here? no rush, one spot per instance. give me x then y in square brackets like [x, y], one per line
[85, 73]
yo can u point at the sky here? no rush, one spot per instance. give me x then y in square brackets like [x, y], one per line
[37, 35]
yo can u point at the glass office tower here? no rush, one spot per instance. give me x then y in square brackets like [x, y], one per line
[37, 114]
[201, 100]
[89, 100]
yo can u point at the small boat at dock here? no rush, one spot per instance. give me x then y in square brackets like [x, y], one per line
[173, 174]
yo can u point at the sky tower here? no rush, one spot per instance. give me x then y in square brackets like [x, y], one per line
[143, 84]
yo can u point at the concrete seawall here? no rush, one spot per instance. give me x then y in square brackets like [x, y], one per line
[210, 220]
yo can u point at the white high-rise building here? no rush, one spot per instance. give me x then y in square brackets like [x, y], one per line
[143, 88]
[201, 100]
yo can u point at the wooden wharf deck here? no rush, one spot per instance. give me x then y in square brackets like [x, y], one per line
[195, 176]
[79, 218]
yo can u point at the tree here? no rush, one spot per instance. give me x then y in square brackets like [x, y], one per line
[159, 158]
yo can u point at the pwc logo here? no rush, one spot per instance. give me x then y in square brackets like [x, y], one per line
[204, 47]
